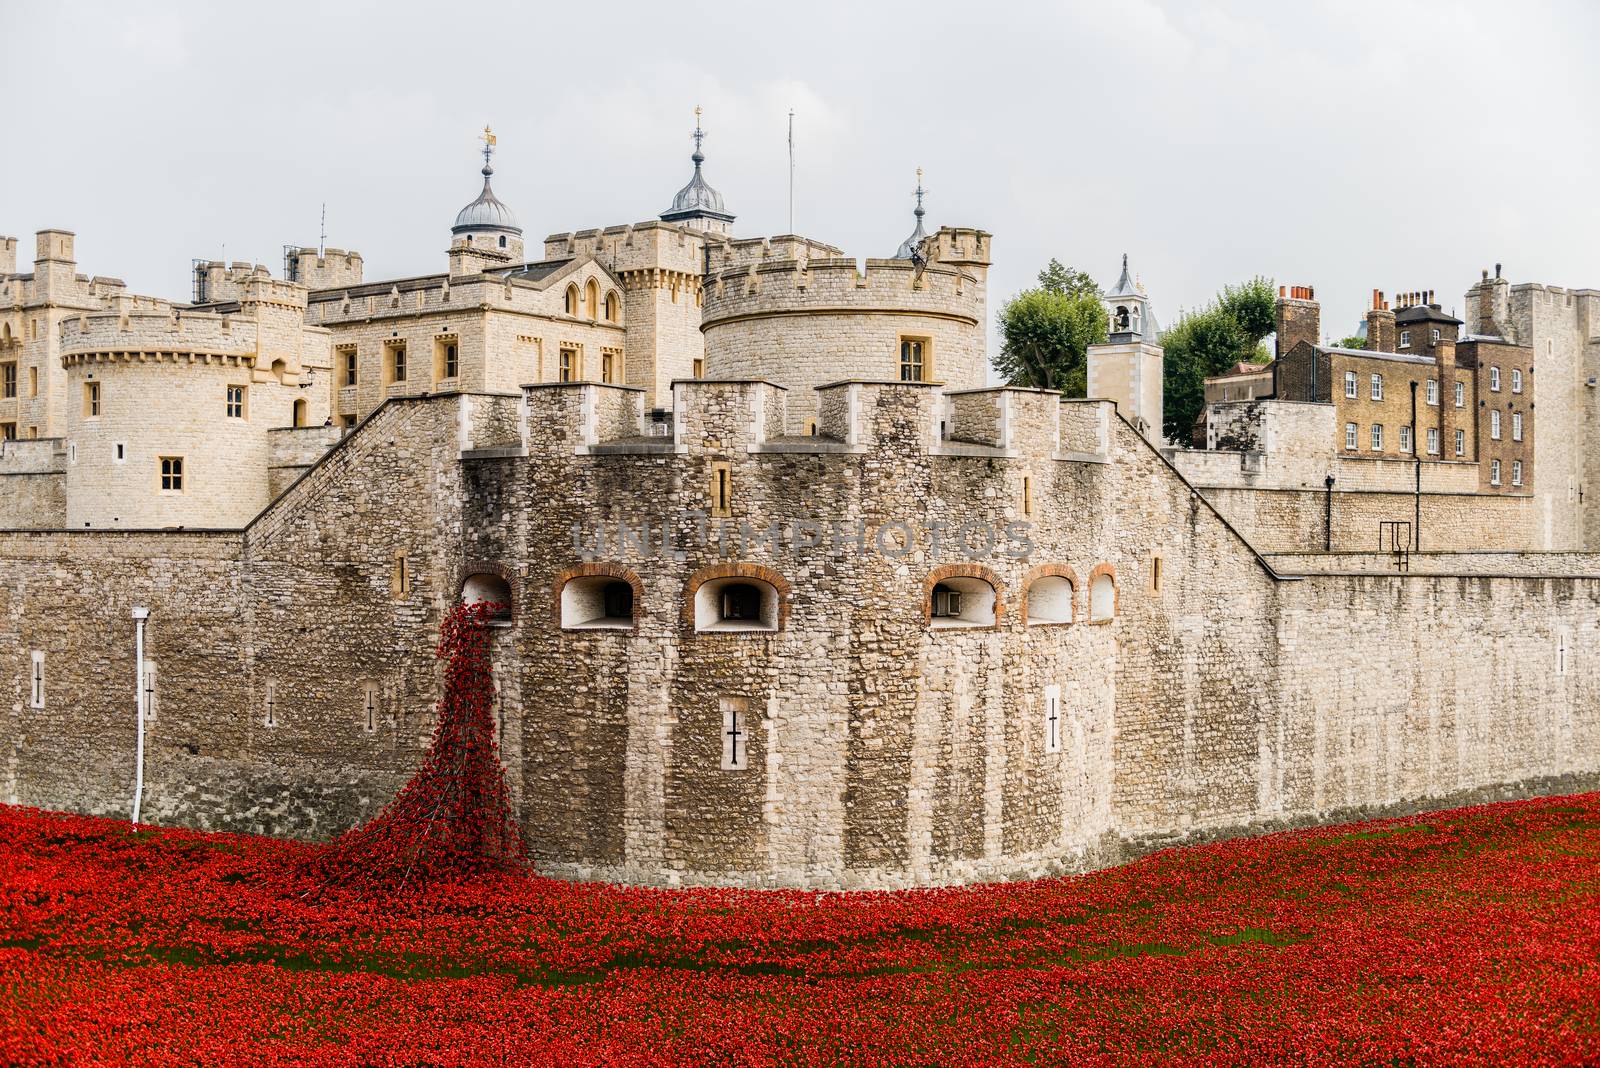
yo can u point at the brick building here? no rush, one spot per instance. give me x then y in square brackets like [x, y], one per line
[1417, 390]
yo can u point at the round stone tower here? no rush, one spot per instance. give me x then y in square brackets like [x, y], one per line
[169, 411]
[794, 312]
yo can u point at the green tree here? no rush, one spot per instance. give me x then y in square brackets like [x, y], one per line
[1045, 335]
[1058, 278]
[1252, 305]
[1354, 341]
[1199, 344]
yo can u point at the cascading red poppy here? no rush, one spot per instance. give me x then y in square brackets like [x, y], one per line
[453, 818]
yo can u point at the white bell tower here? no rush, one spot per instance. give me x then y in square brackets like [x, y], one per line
[1127, 367]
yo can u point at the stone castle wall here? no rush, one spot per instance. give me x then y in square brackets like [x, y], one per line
[33, 484]
[1494, 562]
[1563, 329]
[1288, 520]
[882, 750]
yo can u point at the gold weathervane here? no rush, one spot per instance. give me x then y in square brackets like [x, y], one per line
[488, 136]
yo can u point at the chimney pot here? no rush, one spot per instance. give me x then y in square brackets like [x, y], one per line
[1486, 274]
[1497, 270]
[1284, 289]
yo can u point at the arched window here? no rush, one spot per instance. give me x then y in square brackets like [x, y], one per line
[597, 602]
[279, 369]
[961, 601]
[487, 586]
[502, 240]
[1050, 600]
[1102, 594]
[737, 603]
[613, 307]
[300, 412]
[572, 300]
[591, 299]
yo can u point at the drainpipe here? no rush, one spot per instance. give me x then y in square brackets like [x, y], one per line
[1416, 510]
[1327, 516]
[139, 617]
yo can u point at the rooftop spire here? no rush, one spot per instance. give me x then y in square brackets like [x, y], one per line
[697, 204]
[909, 246]
[486, 213]
[1129, 307]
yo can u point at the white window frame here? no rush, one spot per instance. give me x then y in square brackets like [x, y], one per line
[1433, 391]
[1351, 387]
[1376, 437]
[735, 721]
[1352, 436]
[1516, 426]
[1377, 387]
[1494, 380]
[1516, 380]
[1434, 334]
[1405, 339]
[1405, 438]
[1051, 722]
[1516, 472]
[1494, 472]
[36, 679]
[1461, 394]
[1494, 423]
[1433, 441]
[1461, 442]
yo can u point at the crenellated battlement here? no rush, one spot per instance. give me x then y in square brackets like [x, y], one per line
[328, 269]
[725, 254]
[839, 285]
[157, 329]
[908, 419]
[645, 246]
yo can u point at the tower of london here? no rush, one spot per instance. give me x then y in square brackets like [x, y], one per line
[796, 595]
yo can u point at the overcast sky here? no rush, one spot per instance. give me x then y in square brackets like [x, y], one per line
[1352, 145]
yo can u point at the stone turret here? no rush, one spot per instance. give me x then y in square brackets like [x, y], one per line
[793, 312]
[332, 268]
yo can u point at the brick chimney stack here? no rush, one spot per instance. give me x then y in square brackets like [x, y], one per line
[1299, 317]
[1380, 324]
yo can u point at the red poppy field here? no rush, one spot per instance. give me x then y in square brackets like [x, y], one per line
[1470, 936]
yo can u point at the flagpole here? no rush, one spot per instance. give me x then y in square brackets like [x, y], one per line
[791, 170]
